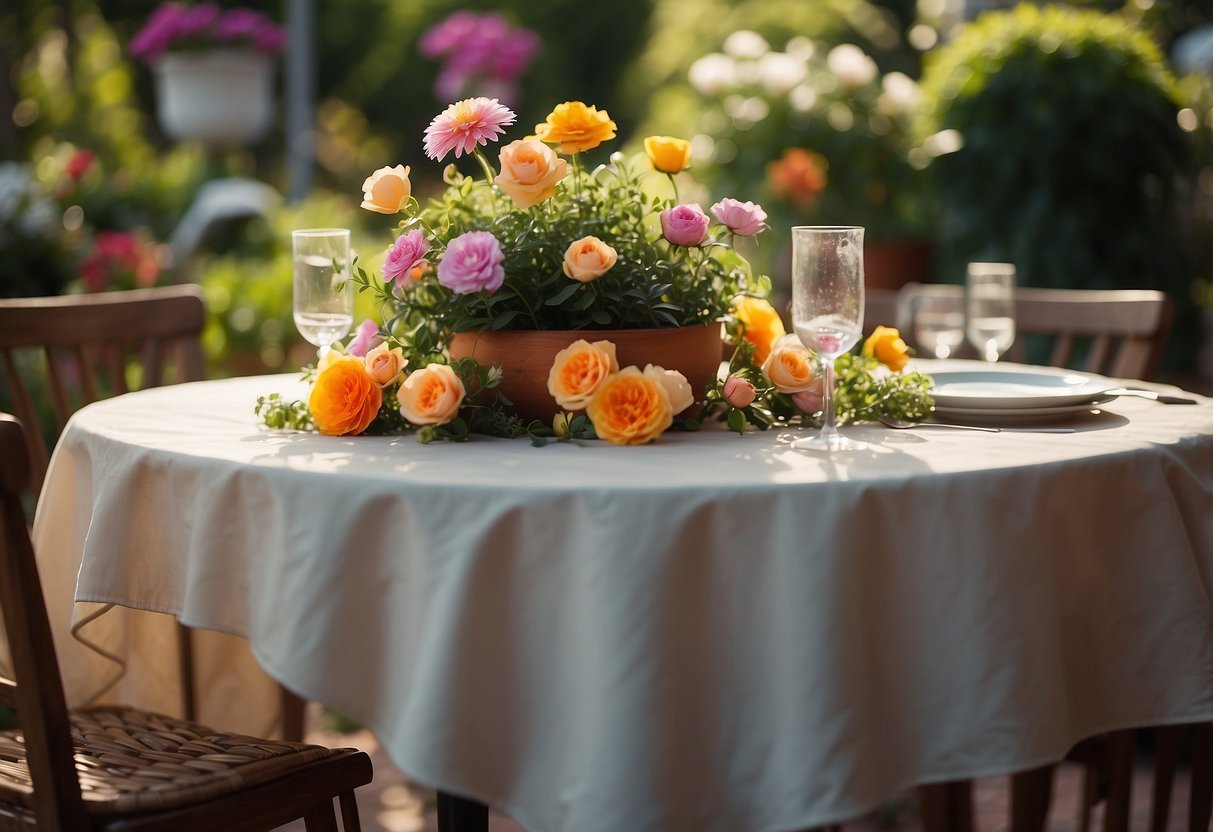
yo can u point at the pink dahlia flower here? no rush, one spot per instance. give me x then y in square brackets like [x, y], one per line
[684, 225]
[472, 263]
[366, 338]
[406, 254]
[465, 124]
[744, 218]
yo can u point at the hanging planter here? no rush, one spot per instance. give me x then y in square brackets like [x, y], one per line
[219, 96]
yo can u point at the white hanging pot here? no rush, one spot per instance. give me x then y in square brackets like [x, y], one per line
[221, 96]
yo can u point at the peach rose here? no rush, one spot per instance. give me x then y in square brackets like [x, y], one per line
[630, 408]
[790, 366]
[668, 154]
[384, 365]
[886, 345]
[588, 259]
[387, 190]
[739, 392]
[761, 324]
[431, 396]
[529, 172]
[575, 127]
[344, 399]
[579, 370]
[677, 388]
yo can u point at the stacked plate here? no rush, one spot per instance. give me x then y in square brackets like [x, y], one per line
[1015, 394]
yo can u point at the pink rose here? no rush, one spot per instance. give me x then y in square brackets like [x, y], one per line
[365, 339]
[472, 263]
[739, 392]
[744, 218]
[809, 401]
[684, 225]
[406, 254]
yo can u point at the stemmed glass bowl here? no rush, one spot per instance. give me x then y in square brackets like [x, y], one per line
[323, 296]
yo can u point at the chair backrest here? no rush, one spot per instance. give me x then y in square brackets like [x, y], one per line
[1114, 332]
[76, 349]
[36, 693]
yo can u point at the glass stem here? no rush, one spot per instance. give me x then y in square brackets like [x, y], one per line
[828, 428]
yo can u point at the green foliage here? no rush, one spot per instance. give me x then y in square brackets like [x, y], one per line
[1071, 156]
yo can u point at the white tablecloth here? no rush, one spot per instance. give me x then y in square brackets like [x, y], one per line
[711, 633]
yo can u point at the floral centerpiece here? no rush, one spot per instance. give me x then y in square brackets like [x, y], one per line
[584, 259]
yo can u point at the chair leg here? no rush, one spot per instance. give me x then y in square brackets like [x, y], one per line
[349, 812]
[1120, 785]
[293, 708]
[946, 807]
[1031, 792]
[185, 671]
[1201, 800]
[1166, 755]
[459, 814]
[321, 818]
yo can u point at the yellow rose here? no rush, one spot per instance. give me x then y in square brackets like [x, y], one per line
[387, 190]
[329, 357]
[631, 408]
[668, 154]
[529, 172]
[344, 400]
[762, 325]
[431, 396]
[790, 367]
[384, 365]
[588, 259]
[677, 388]
[575, 127]
[886, 345]
[579, 370]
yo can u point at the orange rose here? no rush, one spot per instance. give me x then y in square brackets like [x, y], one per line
[631, 408]
[761, 324]
[575, 127]
[384, 365]
[790, 366]
[579, 370]
[529, 172]
[886, 345]
[677, 388]
[798, 176]
[668, 155]
[431, 396]
[588, 259]
[387, 190]
[344, 399]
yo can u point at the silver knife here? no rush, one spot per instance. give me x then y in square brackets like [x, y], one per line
[1161, 398]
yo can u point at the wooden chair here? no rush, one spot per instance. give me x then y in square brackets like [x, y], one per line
[76, 349]
[114, 768]
[1119, 332]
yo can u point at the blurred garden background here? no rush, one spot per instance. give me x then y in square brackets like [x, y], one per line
[1075, 140]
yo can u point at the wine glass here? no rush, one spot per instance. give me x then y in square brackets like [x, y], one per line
[827, 310]
[939, 323]
[990, 301]
[324, 297]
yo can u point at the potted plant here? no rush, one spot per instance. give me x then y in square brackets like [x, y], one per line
[825, 137]
[214, 70]
[1068, 158]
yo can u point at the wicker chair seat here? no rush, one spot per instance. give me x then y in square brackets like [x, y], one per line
[134, 761]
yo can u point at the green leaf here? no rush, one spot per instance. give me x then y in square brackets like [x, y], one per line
[601, 317]
[563, 295]
[503, 319]
[737, 421]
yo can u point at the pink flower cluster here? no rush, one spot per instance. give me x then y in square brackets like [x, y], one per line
[175, 25]
[472, 264]
[482, 55]
[119, 260]
[687, 225]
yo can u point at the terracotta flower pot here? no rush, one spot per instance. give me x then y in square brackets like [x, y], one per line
[526, 357]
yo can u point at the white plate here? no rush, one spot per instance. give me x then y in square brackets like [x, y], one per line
[1017, 415]
[1022, 387]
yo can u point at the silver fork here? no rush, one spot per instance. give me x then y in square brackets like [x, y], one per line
[902, 424]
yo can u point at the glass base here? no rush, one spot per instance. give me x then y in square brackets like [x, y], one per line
[829, 442]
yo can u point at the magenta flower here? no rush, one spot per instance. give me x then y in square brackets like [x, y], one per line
[465, 124]
[366, 338]
[744, 218]
[406, 254]
[472, 263]
[684, 225]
